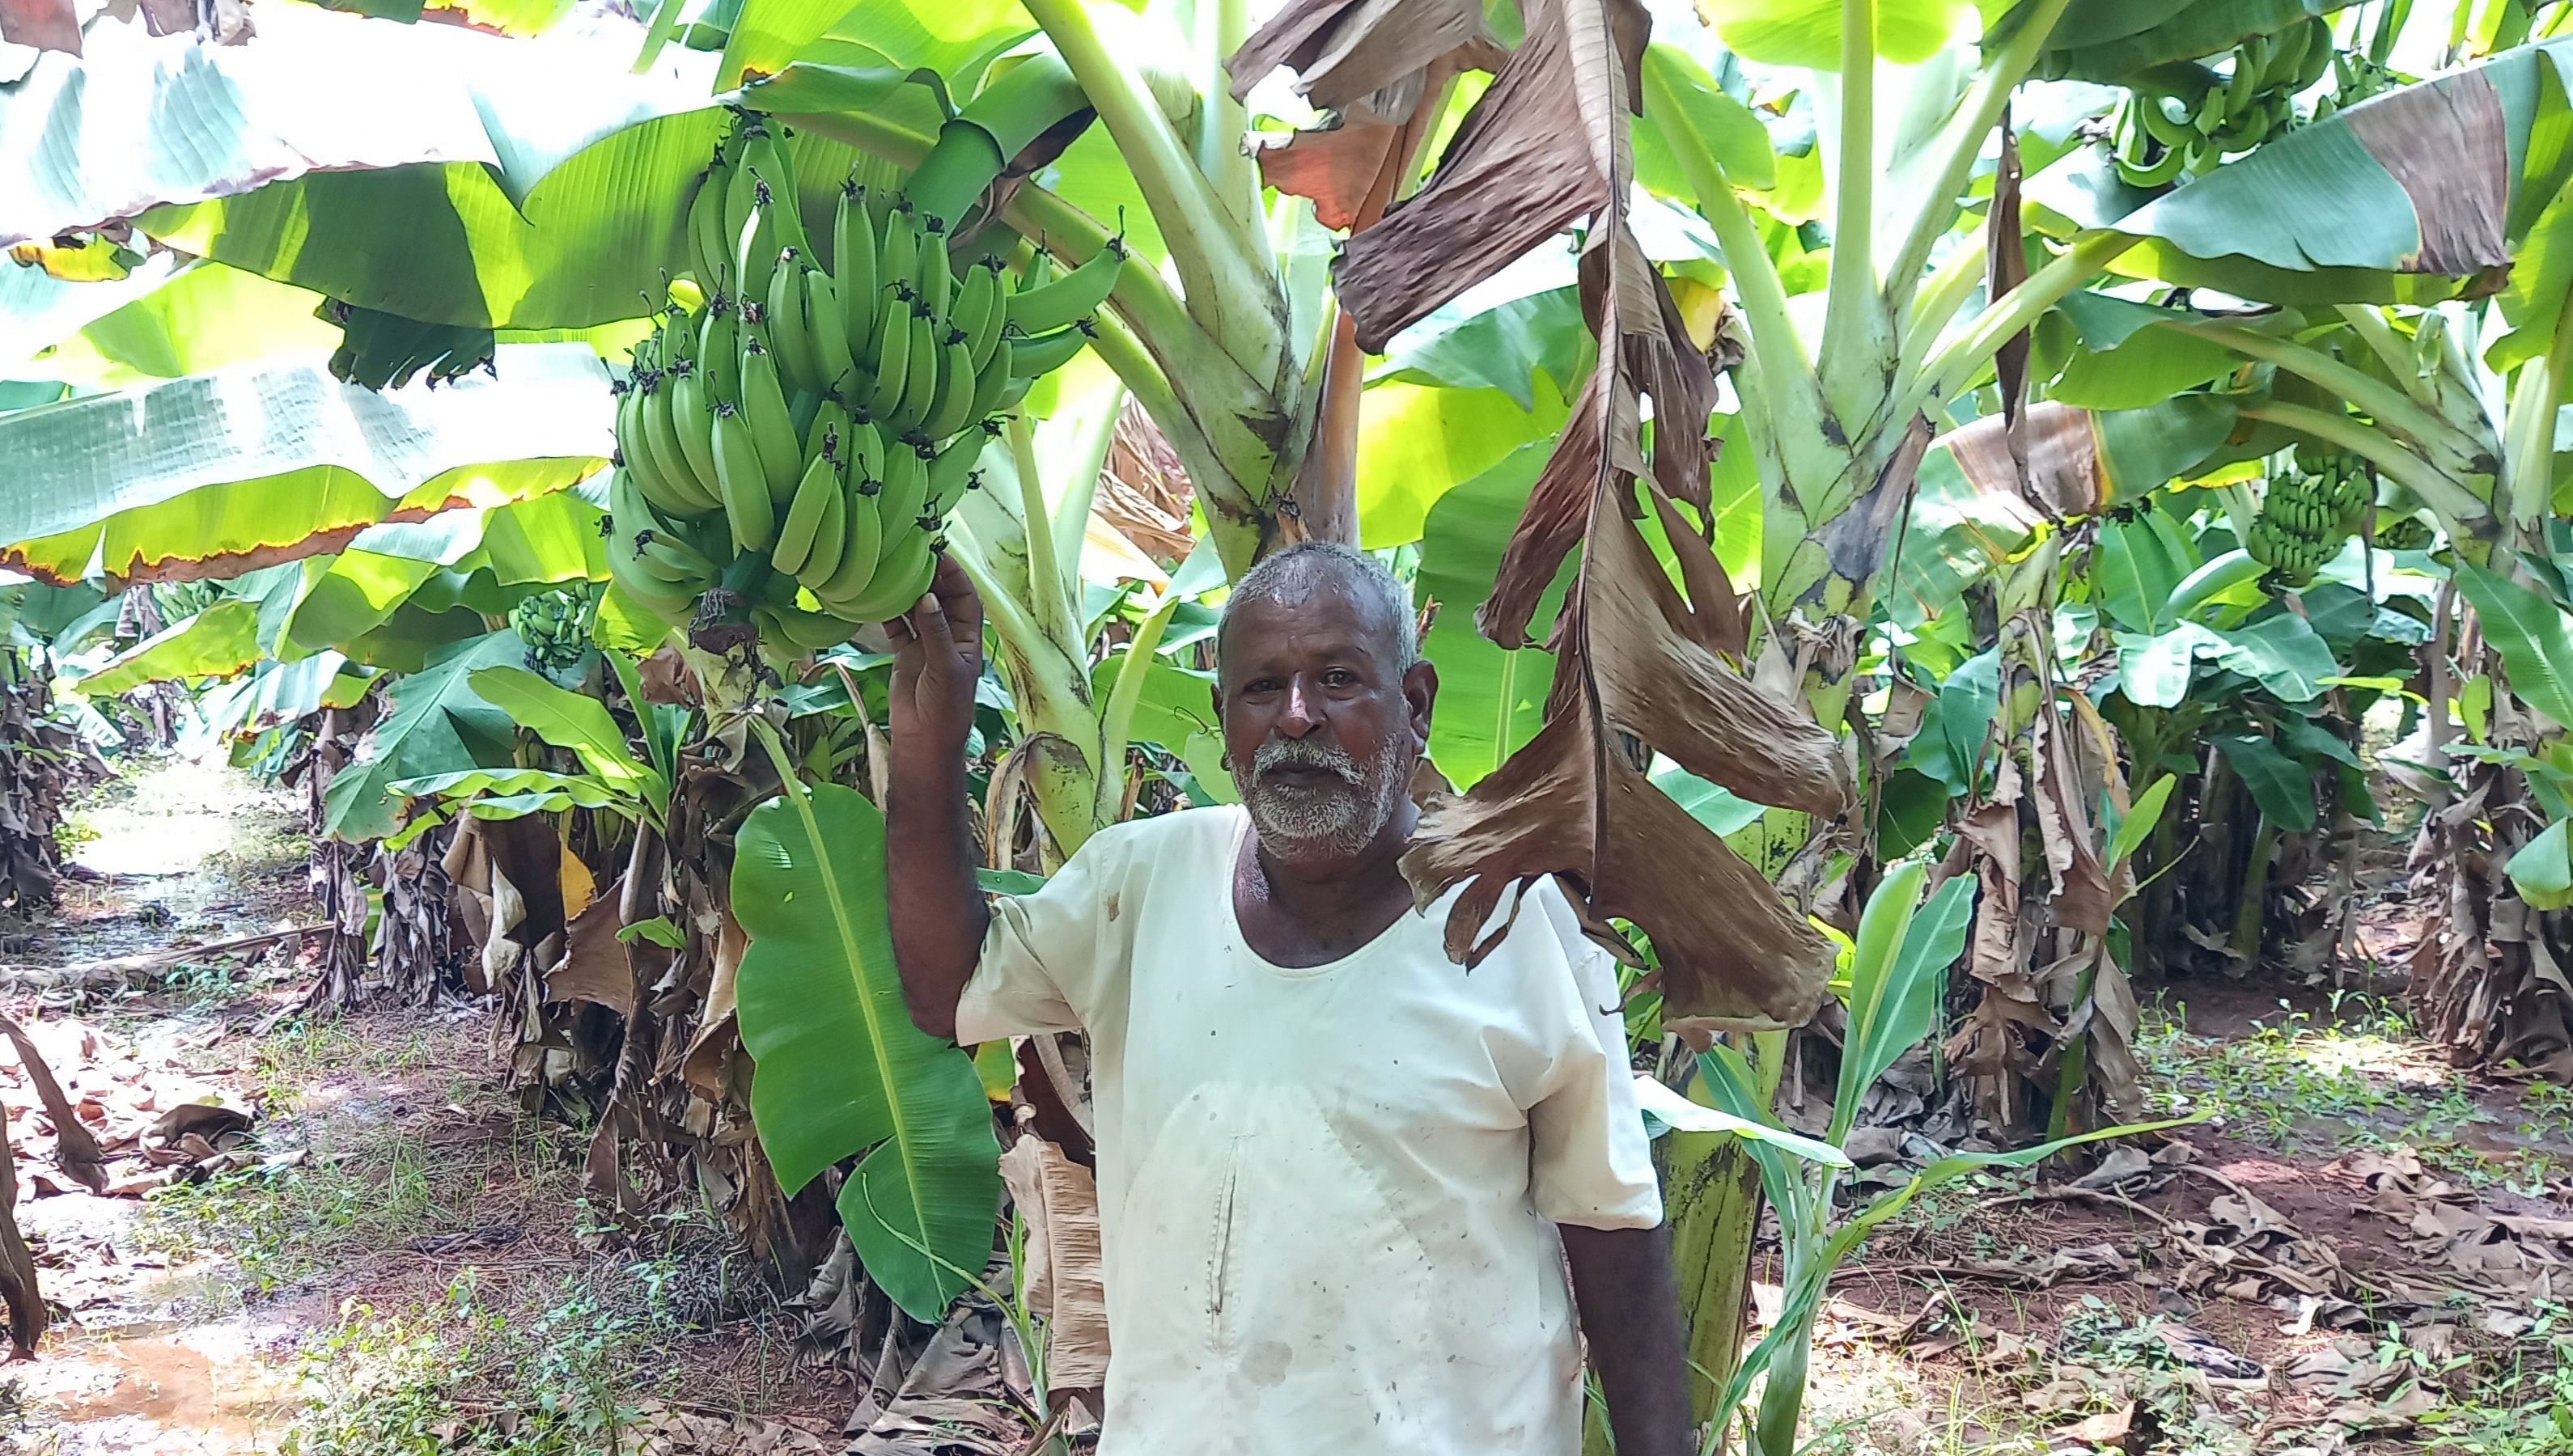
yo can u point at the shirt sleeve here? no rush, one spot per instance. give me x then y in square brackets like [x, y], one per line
[1041, 955]
[1589, 1161]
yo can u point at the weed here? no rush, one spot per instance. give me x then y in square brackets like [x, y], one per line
[2523, 1407]
[2355, 1077]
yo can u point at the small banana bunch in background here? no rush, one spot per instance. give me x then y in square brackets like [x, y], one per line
[555, 626]
[795, 432]
[2310, 507]
[2183, 117]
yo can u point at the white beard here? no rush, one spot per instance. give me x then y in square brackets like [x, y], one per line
[1328, 819]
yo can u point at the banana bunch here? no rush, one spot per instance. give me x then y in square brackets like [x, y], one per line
[2310, 507]
[2405, 533]
[790, 444]
[555, 626]
[2186, 117]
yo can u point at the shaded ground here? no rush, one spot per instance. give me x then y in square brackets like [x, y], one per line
[395, 1259]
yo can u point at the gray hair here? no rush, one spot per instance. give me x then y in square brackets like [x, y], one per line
[1368, 581]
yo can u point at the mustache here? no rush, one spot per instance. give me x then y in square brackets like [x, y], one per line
[1305, 753]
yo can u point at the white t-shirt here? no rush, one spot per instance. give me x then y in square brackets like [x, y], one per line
[1327, 1196]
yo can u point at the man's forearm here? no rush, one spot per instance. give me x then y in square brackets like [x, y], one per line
[1629, 1303]
[936, 911]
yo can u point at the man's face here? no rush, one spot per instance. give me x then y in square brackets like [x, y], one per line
[1321, 727]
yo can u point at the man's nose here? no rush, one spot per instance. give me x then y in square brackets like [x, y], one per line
[1302, 712]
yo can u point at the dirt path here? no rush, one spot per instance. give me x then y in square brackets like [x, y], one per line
[392, 1249]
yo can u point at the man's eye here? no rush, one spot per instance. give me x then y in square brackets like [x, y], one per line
[1339, 677]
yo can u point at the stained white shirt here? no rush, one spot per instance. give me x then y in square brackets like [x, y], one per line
[1328, 1195]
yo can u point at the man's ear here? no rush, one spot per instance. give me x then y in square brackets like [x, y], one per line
[1421, 694]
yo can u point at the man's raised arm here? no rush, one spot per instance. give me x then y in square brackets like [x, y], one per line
[937, 910]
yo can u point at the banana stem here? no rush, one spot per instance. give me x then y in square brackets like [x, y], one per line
[1855, 316]
[2001, 72]
[2370, 325]
[1784, 364]
[2466, 513]
[1950, 366]
[1044, 583]
[1222, 27]
[2393, 408]
[1088, 458]
[2528, 454]
[1219, 272]
[1117, 720]
[1935, 304]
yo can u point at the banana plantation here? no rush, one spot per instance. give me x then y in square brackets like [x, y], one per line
[2010, 561]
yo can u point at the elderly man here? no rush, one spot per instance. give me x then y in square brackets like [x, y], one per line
[1341, 1179]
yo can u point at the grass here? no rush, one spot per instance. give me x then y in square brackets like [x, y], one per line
[549, 1341]
[2355, 1076]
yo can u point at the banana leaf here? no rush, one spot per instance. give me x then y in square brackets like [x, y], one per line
[217, 642]
[435, 724]
[2405, 196]
[216, 473]
[842, 1071]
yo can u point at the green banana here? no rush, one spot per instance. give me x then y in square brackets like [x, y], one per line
[669, 458]
[719, 348]
[830, 540]
[756, 249]
[834, 368]
[906, 489]
[853, 262]
[898, 259]
[920, 381]
[866, 450]
[764, 156]
[952, 473]
[692, 419]
[861, 542]
[748, 511]
[829, 432]
[795, 534]
[937, 278]
[893, 361]
[706, 240]
[1045, 353]
[902, 578]
[789, 334]
[991, 380]
[773, 428]
[1076, 295]
[950, 409]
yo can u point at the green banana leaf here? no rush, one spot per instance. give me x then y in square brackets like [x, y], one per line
[38, 312]
[1416, 443]
[206, 317]
[212, 474]
[2532, 635]
[434, 724]
[1808, 32]
[2542, 871]
[842, 1071]
[571, 720]
[1175, 704]
[936, 35]
[2401, 198]
[1490, 702]
[1898, 978]
[362, 159]
[501, 794]
[217, 642]
[273, 692]
[455, 557]
[1968, 512]
[2282, 787]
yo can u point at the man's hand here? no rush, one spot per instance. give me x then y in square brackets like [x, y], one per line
[936, 911]
[937, 658]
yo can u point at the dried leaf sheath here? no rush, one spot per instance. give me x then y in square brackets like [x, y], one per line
[1641, 668]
